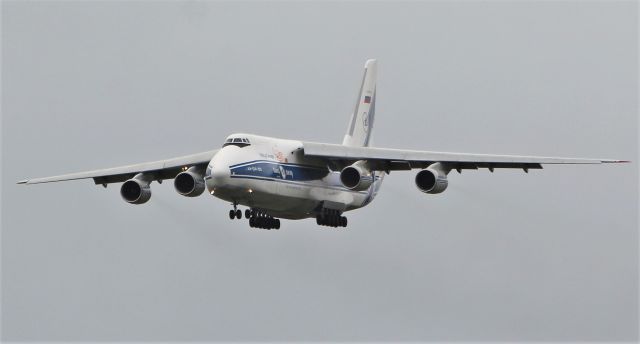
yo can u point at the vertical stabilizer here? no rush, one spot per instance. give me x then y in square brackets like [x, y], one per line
[361, 124]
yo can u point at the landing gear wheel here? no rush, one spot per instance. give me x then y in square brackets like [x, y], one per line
[238, 214]
[232, 214]
[247, 213]
[277, 225]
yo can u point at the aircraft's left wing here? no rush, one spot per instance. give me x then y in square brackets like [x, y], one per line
[386, 159]
[158, 170]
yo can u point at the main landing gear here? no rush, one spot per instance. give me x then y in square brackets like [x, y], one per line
[260, 219]
[331, 218]
[257, 218]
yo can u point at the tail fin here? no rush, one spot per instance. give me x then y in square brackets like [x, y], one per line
[361, 125]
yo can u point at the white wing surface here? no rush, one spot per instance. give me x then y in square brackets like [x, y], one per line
[386, 159]
[159, 170]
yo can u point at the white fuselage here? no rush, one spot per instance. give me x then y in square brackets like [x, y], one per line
[273, 175]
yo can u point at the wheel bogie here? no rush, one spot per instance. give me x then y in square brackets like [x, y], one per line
[261, 219]
[331, 218]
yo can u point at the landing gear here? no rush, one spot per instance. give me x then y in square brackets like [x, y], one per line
[235, 213]
[260, 219]
[257, 218]
[331, 218]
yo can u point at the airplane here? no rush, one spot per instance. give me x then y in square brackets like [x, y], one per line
[290, 179]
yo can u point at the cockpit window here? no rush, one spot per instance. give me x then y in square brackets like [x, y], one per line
[237, 141]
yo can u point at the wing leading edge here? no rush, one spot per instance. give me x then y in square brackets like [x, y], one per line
[159, 170]
[387, 159]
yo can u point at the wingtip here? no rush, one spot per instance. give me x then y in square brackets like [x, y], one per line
[23, 181]
[616, 161]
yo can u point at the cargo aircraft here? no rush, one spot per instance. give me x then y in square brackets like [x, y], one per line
[290, 179]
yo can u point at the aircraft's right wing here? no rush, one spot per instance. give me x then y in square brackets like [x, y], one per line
[386, 159]
[158, 170]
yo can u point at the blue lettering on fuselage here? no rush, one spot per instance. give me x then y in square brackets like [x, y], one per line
[276, 170]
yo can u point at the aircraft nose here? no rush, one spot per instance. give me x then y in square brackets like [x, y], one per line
[219, 174]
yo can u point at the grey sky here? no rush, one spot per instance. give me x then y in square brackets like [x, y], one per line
[549, 255]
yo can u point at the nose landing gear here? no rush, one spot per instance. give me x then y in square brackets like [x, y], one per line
[235, 212]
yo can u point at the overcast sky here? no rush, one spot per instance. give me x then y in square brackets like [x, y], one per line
[549, 255]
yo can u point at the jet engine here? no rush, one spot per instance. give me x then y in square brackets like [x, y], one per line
[433, 179]
[189, 183]
[356, 177]
[136, 190]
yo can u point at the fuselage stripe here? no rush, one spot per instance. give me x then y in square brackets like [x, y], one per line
[296, 183]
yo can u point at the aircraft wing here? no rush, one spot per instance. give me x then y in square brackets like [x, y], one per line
[386, 159]
[161, 169]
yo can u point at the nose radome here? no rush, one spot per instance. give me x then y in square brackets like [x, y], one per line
[218, 178]
[219, 172]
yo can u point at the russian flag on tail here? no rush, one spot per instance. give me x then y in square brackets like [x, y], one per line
[367, 99]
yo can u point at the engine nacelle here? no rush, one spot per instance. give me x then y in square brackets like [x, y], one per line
[189, 183]
[136, 190]
[432, 180]
[356, 177]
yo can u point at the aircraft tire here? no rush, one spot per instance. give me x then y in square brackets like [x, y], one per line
[232, 214]
[247, 213]
[239, 214]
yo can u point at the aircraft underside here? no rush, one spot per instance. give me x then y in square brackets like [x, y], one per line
[269, 200]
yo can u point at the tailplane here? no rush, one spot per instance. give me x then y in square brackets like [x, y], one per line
[361, 124]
